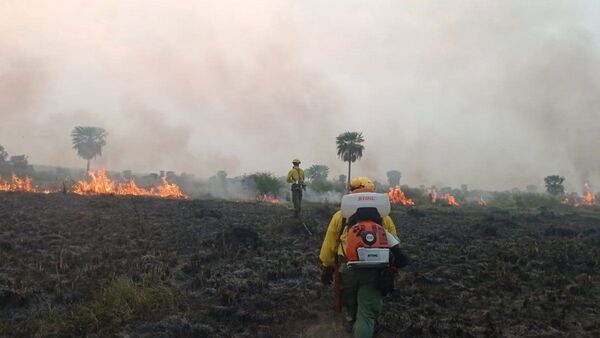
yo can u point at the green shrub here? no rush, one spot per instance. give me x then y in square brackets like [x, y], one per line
[323, 186]
[532, 200]
[317, 172]
[502, 200]
[263, 183]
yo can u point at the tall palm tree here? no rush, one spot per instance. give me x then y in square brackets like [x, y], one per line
[350, 149]
[3, 154]
[88, 141]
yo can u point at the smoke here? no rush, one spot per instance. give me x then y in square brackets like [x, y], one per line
[491, 95]
[225, 189]
[564, 111]
[20, 83]
[322, 197]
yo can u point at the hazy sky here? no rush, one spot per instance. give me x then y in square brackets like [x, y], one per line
[495, 94]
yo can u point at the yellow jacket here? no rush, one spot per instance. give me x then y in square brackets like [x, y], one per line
[332, 247]
[295, 175]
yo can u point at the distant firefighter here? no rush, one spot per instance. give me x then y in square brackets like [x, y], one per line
[296, 178]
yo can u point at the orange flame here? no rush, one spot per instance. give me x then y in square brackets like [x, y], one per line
[396, 196]
[589, 199]
[481, 201]
[451, 200]
[588, 196]
[432, 194]
[267, 199]
[16, 184]
[100, 184]
[170, 190]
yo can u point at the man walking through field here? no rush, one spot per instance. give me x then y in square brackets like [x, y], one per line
[296, 178]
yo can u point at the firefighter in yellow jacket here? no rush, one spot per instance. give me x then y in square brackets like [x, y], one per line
[361, 295]
[296, 178]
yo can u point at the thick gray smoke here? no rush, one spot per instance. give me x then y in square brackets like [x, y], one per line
[495, 95]
[563, 119]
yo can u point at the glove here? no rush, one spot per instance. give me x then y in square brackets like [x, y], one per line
[327, 275]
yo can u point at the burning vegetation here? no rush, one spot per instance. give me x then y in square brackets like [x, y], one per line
[397, 196]
[588, 199]
[249, 239]
[266, 198]
[451, 200]
[17, 184]
[588, 196]
[481, 201]
[100, 184]
[447, 197]
[432, 193]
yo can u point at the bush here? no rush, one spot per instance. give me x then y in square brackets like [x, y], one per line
[322, 186]
[317, 172]
[502, 199]
[264, 184]
[418, 195]
[532, 200]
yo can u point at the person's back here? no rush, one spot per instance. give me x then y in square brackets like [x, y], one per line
[296, 178]
[362, 287]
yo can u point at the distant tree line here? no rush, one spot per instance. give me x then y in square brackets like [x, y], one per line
[16, 164]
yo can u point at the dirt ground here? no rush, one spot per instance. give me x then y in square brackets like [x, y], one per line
[146, 267]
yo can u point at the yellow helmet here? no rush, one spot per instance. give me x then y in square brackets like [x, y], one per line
[296, 160]
[362, 182]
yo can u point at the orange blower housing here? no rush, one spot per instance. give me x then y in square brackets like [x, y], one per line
[367, 244]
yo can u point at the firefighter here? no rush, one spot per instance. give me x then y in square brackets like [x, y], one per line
[361, 293]
[296, 178]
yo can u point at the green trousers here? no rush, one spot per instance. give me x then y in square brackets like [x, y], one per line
[297, 200]
[362, 299]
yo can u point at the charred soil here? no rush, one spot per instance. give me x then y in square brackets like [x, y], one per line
[147, 267]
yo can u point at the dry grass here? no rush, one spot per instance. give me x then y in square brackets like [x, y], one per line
[121, 302]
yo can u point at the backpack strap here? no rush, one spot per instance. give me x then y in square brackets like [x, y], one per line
[339, 237]
[298, 172]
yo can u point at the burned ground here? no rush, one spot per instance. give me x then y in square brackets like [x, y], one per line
[146, 267]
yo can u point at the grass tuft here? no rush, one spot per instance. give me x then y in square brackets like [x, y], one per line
[121, 302]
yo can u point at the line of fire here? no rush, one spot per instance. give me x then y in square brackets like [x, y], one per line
[99, 183]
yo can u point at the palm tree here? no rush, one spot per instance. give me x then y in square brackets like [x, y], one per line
[3, 154]
[349, 148]
[89, 142]
[393, 178]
